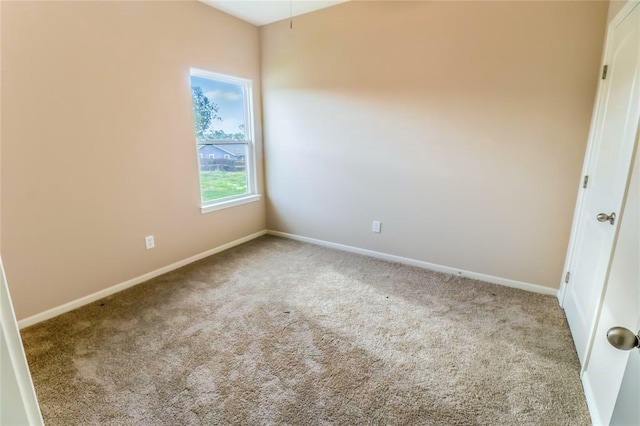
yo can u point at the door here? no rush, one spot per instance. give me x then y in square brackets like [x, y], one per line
[612, 143]
[18, 402]
[626, 409]
[620, 308]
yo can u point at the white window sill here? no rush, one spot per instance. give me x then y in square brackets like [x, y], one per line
[230, 203]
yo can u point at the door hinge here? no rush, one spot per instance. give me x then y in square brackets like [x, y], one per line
[585, 181]
[566, 277]
[604, 71]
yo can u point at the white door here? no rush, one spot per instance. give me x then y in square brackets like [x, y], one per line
[612, 143]
[18, 402]
[620, 308]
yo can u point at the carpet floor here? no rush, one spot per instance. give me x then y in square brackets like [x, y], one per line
[281, 332]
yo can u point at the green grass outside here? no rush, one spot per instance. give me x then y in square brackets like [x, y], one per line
[219, 184]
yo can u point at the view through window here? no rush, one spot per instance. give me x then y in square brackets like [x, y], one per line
[223, 135]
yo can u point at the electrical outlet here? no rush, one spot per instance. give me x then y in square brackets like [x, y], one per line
[377, 226]
[148, 242]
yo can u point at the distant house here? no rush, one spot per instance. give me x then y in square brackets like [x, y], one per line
[227, 152]
[222, 157]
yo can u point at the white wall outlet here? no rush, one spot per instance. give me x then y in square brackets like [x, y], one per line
[377, 226]
[148, 242]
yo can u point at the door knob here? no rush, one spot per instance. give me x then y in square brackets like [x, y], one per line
[603, 217]
[623, 338]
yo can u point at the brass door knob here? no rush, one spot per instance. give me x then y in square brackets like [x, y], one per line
[623, 338]
[603, 217]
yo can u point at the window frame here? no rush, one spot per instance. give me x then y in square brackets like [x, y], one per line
[249, 139]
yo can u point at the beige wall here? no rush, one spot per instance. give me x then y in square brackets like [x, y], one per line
[97, 142]
[460, 125]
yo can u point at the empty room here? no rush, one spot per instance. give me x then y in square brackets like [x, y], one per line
[320, 212]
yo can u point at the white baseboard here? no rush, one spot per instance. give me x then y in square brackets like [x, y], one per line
[34, 319]
[535, 288]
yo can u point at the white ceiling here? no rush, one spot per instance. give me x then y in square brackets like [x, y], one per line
[262, 12]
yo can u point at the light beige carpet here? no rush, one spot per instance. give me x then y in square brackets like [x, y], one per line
[281, 332]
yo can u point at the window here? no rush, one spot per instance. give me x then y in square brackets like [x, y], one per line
[223, 125]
